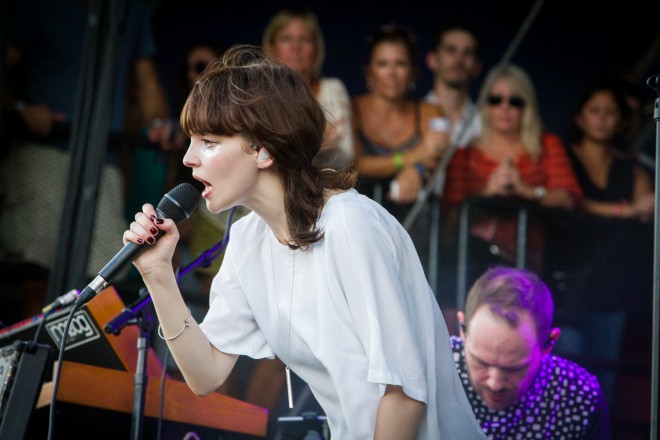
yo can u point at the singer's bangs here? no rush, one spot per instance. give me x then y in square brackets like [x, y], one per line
[260, 101]
[209, 109]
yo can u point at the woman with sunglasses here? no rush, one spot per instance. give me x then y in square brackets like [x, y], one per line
[513, 158]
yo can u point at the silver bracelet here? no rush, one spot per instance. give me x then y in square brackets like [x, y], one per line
[186, 324]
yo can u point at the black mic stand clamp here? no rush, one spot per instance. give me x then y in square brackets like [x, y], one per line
[142, 314]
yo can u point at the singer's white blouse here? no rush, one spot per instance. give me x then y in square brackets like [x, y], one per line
[349, 315]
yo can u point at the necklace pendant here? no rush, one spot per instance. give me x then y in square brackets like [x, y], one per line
[289, 391]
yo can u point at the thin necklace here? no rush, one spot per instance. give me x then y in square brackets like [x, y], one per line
[287, 370]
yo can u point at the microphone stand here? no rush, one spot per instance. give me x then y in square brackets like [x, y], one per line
[142, 314]
[654, 83]
[145, 320]
[206, 257]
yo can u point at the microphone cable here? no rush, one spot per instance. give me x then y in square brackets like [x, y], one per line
[48, 310]
[42, 317]
[58, 369]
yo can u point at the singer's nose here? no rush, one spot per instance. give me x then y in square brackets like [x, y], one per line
[190, 159]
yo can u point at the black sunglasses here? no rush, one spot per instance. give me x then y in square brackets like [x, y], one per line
[514, 101]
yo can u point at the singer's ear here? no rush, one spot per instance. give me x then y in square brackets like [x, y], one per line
[264, 159]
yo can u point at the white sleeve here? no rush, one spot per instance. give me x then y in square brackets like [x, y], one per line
[379, 279]
[229, 324]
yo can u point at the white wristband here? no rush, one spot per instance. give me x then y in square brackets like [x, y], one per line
[540, 192]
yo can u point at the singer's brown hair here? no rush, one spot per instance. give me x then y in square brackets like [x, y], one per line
[269, 104]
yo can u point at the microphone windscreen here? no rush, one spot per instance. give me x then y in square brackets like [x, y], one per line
[179, 203]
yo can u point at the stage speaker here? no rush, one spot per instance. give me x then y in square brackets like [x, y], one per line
[22, 368]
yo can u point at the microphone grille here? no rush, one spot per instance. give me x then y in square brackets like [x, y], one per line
[179, 203]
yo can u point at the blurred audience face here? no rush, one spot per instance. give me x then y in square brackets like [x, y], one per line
[505, 108]
[455, 61]
[294, 46]
[502, 361]
[600, 117]
[389, 71]
[197, 60]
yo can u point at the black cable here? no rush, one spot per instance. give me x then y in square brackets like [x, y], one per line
[41, 325]
[654, 83]
[56, 377]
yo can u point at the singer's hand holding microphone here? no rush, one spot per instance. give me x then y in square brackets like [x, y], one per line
[158, 235]
[155, 229]
[150, 225]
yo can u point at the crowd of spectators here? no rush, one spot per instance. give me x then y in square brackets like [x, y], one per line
[588, 197]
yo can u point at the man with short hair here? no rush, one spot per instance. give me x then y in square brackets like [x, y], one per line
[516, 387]
[455, 62]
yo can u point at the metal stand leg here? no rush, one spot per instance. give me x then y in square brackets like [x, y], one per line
[654, 83]
[434, 244]
[521, 242]
[461, 278]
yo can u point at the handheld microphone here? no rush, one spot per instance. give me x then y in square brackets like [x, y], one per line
[177, 205]
[63, 300]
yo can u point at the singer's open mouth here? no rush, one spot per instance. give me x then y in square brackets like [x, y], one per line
[206, 184]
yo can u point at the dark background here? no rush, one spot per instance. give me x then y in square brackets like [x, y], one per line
[566, 43]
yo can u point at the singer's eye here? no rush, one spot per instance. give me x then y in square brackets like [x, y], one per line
[207, 143]
[209, 147]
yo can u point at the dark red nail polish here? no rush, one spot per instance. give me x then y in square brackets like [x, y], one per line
[140, 241]
[152, 217]
[153, 230]
[151, 240]
[159, 221]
